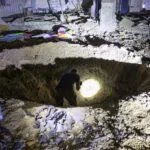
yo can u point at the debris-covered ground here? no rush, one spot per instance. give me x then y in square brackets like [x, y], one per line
[124, 125]
[49, 127]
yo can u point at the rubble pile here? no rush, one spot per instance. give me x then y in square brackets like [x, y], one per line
[58, 126]
[131, 34]
[27, 125]
[77, 128]
[132, 41]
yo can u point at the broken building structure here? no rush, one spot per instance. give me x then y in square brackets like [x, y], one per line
[9, 7]
[40, 49]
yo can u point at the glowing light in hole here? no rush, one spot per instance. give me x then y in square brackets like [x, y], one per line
[89, 88]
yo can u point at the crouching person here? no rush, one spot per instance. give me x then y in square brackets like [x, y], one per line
[65, 88]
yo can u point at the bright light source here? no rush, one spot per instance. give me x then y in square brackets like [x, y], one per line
[89, 88]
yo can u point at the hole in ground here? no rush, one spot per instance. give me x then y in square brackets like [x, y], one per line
[37, 82]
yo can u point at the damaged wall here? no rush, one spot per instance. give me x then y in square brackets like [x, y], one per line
[39, 4]
[12, 7]
[135, 6]
[54, 4]
[16, 6]
[71, 4]
[125, 6]
[146, 4]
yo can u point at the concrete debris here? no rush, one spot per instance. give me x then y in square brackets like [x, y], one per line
[45, 56]
[26, 125]
[60, 125]
[82, 127]
[136, 144]
[126, 23]
[55, 120]
[58, 141]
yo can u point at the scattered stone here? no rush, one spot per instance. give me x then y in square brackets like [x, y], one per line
[136, 144]
[58, 141]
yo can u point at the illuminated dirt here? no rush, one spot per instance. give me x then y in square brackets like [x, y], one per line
[37, 82]
[28, 77]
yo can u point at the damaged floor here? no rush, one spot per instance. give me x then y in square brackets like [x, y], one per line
[117, 118]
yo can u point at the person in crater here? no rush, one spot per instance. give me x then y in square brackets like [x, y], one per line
[65, 88]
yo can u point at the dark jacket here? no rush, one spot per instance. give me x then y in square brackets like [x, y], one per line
[67, 81]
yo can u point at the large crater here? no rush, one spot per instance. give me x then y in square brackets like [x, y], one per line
[37, 82]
